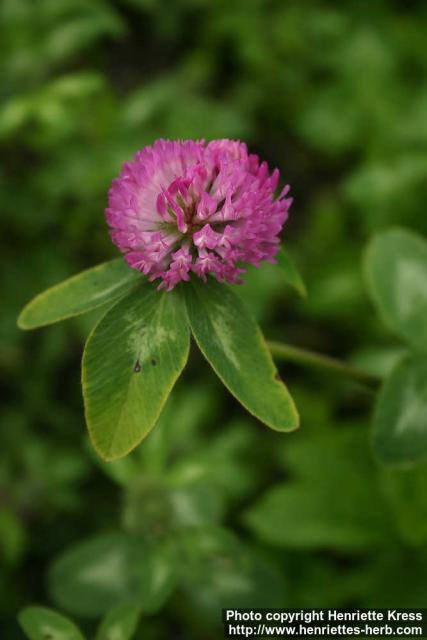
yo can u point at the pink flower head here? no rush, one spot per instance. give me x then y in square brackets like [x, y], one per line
[190, 207]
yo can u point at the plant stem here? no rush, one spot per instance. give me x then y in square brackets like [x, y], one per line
[282, 351]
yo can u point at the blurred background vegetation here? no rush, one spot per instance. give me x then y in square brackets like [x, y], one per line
[335, 95]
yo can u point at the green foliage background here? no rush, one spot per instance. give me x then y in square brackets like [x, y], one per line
[335, 94]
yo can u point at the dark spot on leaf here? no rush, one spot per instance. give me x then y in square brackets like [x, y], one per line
[277, 376]
[153, 362]
[137, 367]
[48, 636]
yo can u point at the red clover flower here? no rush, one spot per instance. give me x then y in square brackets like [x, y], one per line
[182, 207]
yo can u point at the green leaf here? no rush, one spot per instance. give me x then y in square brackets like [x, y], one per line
[298, 517]
[400, 420]
[131, 362]
[396, 272]
[309, 512]
[292, 275]
[232, 343]
[86, 291]
[100, 573]
[120, 623]
[231, 572]
[40, 623]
